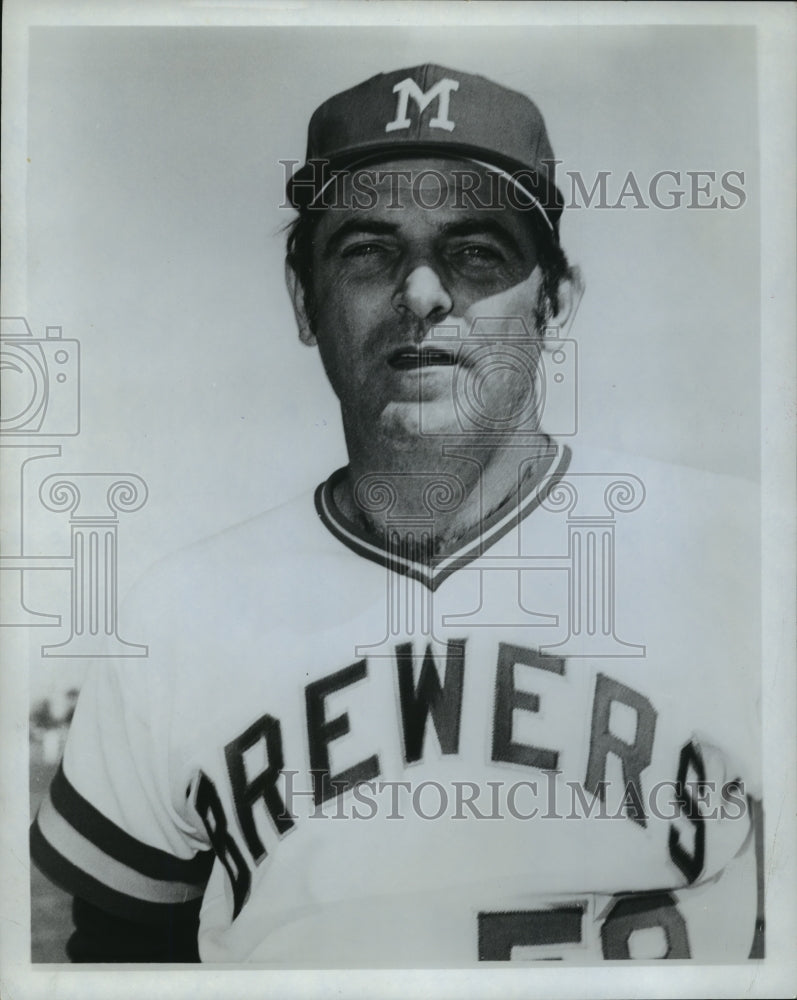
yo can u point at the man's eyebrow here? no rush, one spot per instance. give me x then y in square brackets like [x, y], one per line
[360, 226]
[478, 227]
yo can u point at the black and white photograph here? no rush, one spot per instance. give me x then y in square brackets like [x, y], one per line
[396, 590]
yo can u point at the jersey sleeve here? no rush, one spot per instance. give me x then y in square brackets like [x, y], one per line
[111, 830]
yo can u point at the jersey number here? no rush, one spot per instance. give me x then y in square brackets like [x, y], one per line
[500, 932]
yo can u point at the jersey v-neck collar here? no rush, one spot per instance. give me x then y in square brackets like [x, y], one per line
[438, 568]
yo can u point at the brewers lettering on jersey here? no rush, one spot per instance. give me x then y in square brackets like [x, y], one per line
[465, 703]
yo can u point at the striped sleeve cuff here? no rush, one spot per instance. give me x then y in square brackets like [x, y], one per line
[89, 856]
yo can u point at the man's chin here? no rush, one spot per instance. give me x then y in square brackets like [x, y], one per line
[413, 423]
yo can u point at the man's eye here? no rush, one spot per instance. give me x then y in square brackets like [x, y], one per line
[364, 249]
[479, 255]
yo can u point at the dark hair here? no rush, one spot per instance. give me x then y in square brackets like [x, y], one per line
[551, 259]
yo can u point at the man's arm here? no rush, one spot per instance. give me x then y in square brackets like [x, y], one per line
[109, 833]
[102, 937]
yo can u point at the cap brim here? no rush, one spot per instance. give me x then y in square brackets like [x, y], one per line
[302, 192]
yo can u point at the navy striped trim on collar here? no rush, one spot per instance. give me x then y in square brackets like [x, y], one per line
[475, 543]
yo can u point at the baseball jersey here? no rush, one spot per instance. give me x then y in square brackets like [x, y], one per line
[542, 746]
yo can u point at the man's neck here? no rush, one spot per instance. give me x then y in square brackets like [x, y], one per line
[440, 493]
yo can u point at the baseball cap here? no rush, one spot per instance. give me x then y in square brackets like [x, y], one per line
[433, 110]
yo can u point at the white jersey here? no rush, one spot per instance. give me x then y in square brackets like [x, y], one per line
[543, 746]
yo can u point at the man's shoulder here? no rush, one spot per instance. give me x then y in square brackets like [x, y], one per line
[695, 498]
[685, 543]
[586, 458]
[262, 561]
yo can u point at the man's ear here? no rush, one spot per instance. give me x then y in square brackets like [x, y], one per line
[570, 292]
[296, 293]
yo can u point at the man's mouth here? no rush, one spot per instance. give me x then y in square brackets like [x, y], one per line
[413, 358]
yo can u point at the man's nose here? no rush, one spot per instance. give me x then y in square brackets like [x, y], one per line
[424, 295]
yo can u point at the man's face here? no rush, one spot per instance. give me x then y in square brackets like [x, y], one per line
[398, 287]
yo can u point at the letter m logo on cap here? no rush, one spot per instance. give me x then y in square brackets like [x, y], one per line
[441, 92]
